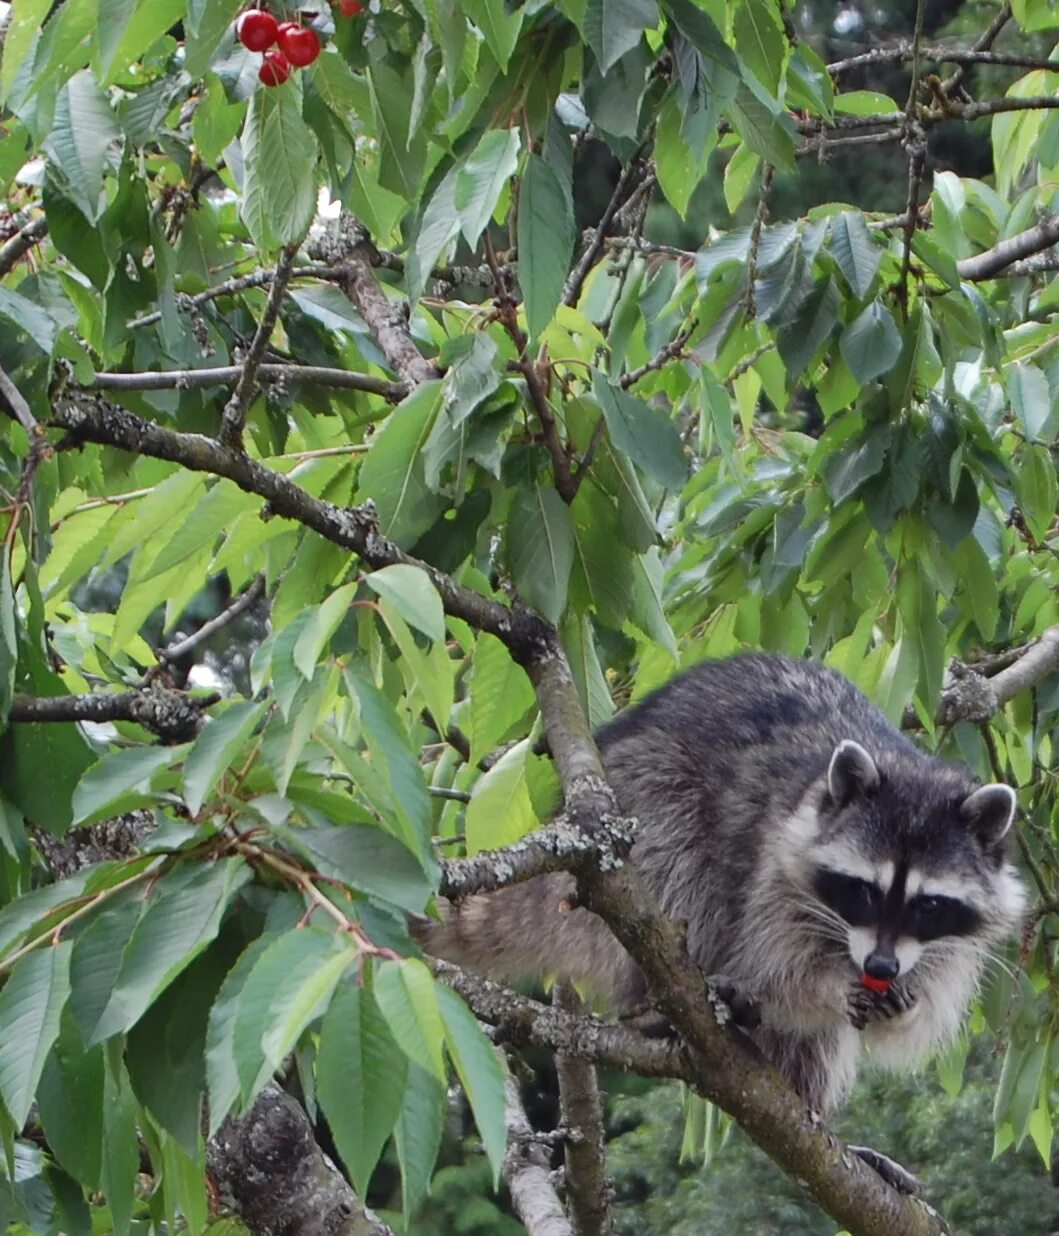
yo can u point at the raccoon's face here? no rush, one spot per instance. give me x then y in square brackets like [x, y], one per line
[900, 858]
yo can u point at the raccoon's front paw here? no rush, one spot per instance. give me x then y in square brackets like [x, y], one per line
[730, 1001]
[896, 1176]
[864, 1006]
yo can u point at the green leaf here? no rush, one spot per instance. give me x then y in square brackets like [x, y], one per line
[539, 548]
[439, 226]
[30, 317]
[418, 1134]
[642, 431]
[70, 1101]
[763, 125]
[1027, 388]
[121, 1152]
[116, 775]
[413, 595]
[481, 1074]
[31, 1002]
[298, 967]
[1038, 489]
[279, 181]
[97, 958]
[614, 27]
[366, 858]
[360, 1077]
[501, 810]
[223, 737]
[392, 475]
[871, 343]
[408, 1000]
[431, 671]
[402, 151]
[856, 254]
[760, 42]
[206, 24]
[314, 635]
[546, 235]
[854, 463]
[80, 143]
[979, 584]
[8, 640]
[181, 917]
[603, 571]
[222, 1070]
[482, 178]
[500, 26]
[501, 694]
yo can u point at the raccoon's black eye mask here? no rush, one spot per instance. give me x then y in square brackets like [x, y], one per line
[857, 901]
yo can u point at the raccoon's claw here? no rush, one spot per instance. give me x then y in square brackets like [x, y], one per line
[743, 1009]
[864, 1006]
[896, 1176]
[649, 1022]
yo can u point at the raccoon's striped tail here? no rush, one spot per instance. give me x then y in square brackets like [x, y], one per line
[530, 931]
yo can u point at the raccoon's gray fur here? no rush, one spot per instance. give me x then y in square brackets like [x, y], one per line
[805, 842]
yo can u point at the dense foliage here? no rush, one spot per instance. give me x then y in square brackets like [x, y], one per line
[824, 430]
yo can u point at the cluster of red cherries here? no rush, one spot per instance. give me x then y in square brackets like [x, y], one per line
[296, 45]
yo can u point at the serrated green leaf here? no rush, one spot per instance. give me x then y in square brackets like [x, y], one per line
[408, 1000]
[392, 475]
[546, 235]
[500, 27]
[430, 671]
[116, 775]
[410, 590]
[207, 23]
[360, 1077]
[501, 694]
[1038, 489]
[279, 181]
[29, 317]
[613, 27]
[760, 42]
[857, 255]
[481, 1074]
[121, 1151]
[501, 810]
[31, 1002]
[539, 547]
[223, 737]
[1027, 388]
[482, 178]
[315, 634]
[418, 1134]
[871, 343]
[80, 145]
[181, 917]
[70, 1102]
[222, 1070]
[643, 432]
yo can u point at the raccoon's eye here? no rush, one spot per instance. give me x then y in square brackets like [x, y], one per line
[928, 908]
[856, 900]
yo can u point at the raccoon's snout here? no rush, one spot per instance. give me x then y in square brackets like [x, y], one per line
[880, 965]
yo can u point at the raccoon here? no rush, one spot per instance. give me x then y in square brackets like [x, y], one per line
[808, 846]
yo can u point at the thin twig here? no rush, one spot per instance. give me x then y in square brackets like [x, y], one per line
[18, 406]
[749, 310]
[182, 647]
[988, 263]
[220, 375]
[916, 144]
[13, 250]
[579, 274]
[234, 419]
[984, 41]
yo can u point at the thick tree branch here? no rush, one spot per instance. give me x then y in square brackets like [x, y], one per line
[268, 1169]
[171, 715]
[352, 251]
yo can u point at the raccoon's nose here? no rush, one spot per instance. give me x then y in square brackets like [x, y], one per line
[882, 966]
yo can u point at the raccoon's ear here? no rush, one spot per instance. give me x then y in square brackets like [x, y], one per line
[851, 772]
[989, 813]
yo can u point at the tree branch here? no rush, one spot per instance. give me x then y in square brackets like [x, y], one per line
[172, 715]
[581, 1104]
[91, 419]
[268, 1169]
[13, 250]
[527, 1175]
[990, 262]
[219, 375]
[234, 419]
[181, 647]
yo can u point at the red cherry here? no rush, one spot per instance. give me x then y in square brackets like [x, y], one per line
[256, 29]
[300, 44]
[275, 70]
[350, 8]
[875, 984]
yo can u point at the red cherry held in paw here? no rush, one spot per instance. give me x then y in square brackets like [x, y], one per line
[300, 44]
[275, 70]
[875, 984]
[256, 29]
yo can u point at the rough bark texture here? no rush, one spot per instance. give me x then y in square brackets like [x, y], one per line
[527, 1176]
[268, 1169]
[588, 1195]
